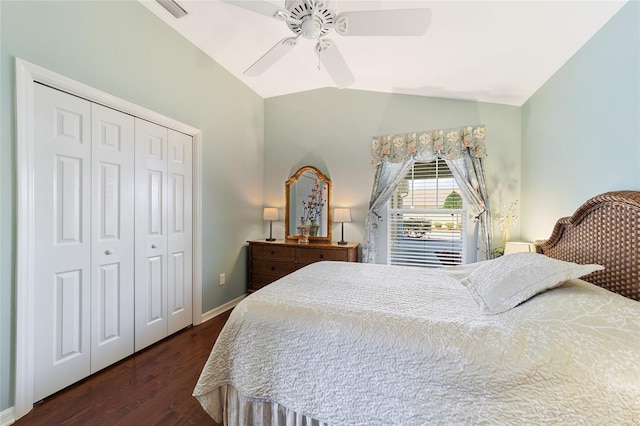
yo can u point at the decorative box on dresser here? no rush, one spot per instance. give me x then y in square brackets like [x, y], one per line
[269, 261]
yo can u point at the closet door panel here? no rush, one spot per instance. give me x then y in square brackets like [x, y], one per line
[151, 149]
[112, 236]
[63, 247]
[180, 284]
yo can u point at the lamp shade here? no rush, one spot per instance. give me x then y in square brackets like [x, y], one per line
[516, 247]
[270, 213]
[342, 215]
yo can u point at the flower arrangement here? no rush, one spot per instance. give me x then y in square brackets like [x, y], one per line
[505, 218]
[312, 207]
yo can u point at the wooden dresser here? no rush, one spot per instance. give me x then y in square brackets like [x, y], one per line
[269, 261]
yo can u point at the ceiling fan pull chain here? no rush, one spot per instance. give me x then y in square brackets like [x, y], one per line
[322, 45]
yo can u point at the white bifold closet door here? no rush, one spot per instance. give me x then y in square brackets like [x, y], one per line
[113, 226]
[163, 232]
[84, 249]
[112, 231]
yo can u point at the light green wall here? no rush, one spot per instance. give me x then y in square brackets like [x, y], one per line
[332, 130]
[125, 50]
[581, 130]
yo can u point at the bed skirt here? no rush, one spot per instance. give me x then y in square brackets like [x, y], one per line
[228, 406]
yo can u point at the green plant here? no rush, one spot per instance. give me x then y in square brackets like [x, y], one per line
[453, 201]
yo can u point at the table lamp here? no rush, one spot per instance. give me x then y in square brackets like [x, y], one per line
[342, 215]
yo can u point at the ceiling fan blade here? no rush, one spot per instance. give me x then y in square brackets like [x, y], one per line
[332, 60]
[262, 7]
[397, 22]
[272, 56]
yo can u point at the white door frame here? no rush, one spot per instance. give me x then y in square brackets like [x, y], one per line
[27, 74]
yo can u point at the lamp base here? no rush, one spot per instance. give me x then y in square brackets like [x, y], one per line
[342, 242]
[270, 232]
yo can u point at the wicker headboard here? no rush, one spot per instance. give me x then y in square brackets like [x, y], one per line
[604, 230]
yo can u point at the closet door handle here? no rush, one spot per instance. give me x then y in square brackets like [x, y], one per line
[154, 246]
[108, 252]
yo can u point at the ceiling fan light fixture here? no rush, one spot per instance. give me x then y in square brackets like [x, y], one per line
[173, 8]
[310, 29]
[312, 20]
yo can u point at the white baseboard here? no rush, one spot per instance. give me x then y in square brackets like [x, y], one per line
[7, 417]
[222, 309]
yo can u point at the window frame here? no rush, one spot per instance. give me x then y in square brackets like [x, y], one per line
[431, 257]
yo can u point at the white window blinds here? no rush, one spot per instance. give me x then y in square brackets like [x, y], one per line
[427, 220]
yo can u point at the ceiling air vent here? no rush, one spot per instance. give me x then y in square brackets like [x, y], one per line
[173, 7]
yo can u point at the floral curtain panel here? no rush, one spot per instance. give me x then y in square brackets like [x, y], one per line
[388, 177]
[394, 154]
[448, 144]
[468, 172]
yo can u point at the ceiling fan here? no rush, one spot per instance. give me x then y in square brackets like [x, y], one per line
[314, 19]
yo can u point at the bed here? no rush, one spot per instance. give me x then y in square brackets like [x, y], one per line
[519, 339]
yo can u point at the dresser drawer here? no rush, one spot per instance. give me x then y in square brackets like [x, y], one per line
[275, 269]
[258, 281]
[273, 252]
[309, 255]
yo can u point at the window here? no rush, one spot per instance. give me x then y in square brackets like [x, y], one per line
[427, 220]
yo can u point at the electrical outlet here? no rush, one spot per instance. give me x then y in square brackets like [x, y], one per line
[223, 279]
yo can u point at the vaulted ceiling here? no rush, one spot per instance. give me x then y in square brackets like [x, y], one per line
[491, 51]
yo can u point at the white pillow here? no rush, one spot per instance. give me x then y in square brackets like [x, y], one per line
[503, 283]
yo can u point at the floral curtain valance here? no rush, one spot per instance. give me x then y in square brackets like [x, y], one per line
[448, 144]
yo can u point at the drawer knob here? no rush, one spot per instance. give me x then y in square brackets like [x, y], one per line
[273, 268]
[273, 252]
[321, 256]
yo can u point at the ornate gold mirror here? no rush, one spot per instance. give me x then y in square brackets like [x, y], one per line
[308, 194]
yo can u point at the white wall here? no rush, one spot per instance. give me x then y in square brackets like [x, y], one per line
[332, 130]
[123, 49]
[581, 130]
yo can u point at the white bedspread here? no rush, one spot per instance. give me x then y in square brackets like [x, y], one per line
[358, 344]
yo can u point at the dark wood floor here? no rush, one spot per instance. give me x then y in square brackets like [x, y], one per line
[152, 387]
